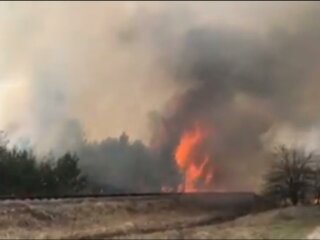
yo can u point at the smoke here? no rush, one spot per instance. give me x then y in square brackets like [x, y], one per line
[250, 88]
[71, 62]
[123, 164]
[75, 75]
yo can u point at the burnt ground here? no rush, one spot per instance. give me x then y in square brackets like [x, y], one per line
[199, 216]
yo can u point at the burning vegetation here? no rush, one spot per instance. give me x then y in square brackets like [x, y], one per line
[218, 97]
[192, 162]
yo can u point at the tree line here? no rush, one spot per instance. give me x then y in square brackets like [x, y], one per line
[21, 174]
[292, 178]
[113, 166]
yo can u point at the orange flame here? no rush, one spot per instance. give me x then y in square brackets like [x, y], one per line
[193, 165]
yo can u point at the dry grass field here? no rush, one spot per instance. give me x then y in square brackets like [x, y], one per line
[99, 218]
[287, 223]
[164, 218]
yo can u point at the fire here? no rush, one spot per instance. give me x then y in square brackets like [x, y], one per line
[192, 162]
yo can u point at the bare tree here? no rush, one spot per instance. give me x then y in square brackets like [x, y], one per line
[316, 184]
[290, 176]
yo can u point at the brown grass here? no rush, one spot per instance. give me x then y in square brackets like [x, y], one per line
[288, 223]
[147, 219]
[101, 218]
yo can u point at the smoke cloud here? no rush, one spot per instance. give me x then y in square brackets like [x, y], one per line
[74, 76]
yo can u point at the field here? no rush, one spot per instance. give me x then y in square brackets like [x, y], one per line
[288, 223]
[154, 217]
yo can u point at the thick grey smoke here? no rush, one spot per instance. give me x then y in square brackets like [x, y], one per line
[248, 72]
[245, 86]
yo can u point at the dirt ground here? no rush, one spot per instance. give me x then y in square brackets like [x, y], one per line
[148, 219]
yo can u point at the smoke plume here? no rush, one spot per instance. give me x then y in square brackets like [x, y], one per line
[75, 75]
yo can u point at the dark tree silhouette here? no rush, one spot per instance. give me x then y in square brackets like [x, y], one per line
[290, 175]
[48, 179]
[316, 184]
[22, 174]
[68, 174]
